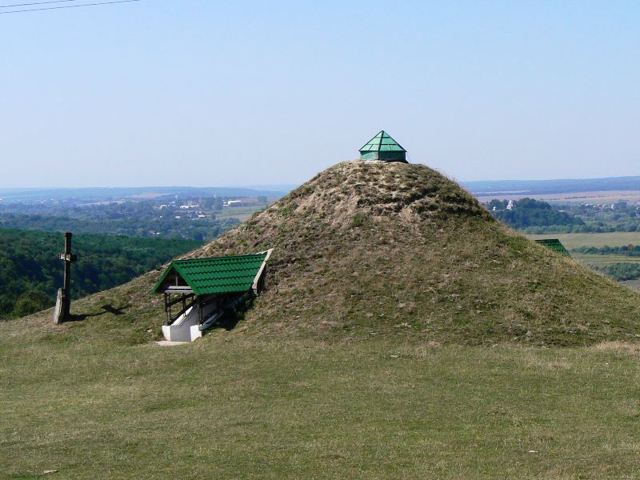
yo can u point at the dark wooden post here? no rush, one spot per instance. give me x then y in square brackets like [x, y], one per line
[63, 303]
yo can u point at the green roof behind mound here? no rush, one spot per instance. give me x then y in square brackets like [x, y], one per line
[216, 275]
[555, 245]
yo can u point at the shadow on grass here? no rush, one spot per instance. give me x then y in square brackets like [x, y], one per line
[228, 321]
[233, 316]
[108, 308]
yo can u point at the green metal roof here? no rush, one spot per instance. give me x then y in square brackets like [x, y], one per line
[217, 275]
[555, 245]
[382, 142]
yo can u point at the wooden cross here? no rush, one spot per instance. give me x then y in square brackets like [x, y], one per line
[62, 311]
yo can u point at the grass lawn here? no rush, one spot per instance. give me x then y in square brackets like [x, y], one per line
[235, 406]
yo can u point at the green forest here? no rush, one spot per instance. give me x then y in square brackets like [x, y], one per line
[31, 272]
[527, 213]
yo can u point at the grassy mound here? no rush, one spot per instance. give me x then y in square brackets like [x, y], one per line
[369, 248]
[337, 371]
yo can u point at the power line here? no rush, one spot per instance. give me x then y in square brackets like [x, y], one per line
[13, 5]
[68, 6]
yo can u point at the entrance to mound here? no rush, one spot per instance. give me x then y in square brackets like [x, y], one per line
[201, 293]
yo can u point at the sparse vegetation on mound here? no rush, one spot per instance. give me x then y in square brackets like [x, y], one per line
[368, 248]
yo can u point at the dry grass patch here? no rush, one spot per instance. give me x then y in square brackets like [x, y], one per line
[618, 347]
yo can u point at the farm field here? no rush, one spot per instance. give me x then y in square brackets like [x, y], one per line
[241, 213]
[572, 197]
[86, 406]
[575, 240]
[603, 260]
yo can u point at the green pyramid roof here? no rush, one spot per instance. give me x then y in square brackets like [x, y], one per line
[382, 142]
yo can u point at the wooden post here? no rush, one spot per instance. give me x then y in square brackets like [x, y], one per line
[166, 308]
[63, 305]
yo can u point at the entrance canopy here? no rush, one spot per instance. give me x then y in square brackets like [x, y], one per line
[214, 275]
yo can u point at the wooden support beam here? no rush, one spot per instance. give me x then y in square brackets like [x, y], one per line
[180, 299]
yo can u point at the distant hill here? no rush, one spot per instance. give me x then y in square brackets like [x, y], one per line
[541, 187]
[29, 195]
[31, 273]
[369, 248]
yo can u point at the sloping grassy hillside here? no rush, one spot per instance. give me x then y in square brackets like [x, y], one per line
[369, 248]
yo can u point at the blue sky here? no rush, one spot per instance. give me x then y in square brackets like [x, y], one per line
[196, 92]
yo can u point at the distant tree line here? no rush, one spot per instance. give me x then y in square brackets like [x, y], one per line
[535, 216]
[621, 271]
[136, 225]
[525, 213]
[31, 273]
[627, 250]
[619, 216]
